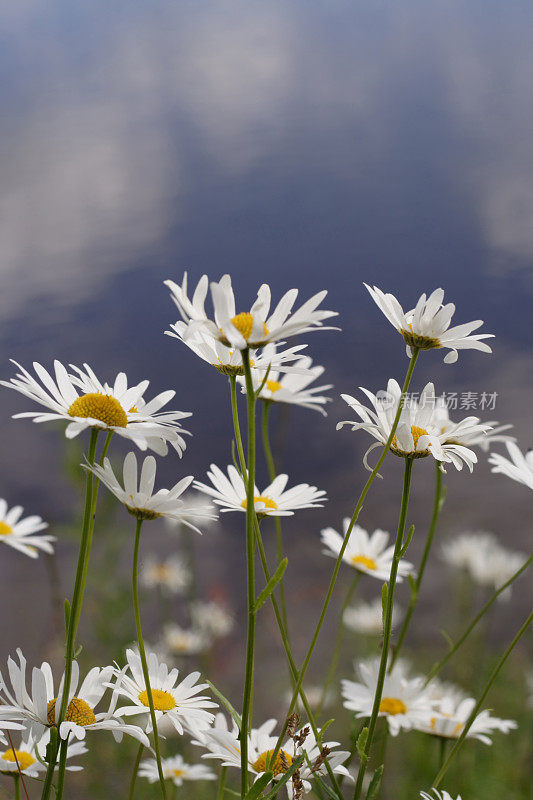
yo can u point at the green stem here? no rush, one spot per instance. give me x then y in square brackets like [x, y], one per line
[387, 627]
[250, 574]
[62, 767]
[357, 511]
[437, 505]
[135, 771]
[338, 641]
[277, 520]
[142, 654]
[222, 783]
[16, 786]
[468, 724]
[437, 668]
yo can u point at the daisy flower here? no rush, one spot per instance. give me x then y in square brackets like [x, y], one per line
[177, 702]
[404, 701]
[452, 716]
[436, 795]
[223, 743]
[418, 433]
[274, 501]
[367, 618]
[292, 388]
[519, 468]
[26, 754]
[365, 553]
[484, 558]
[137, 493]
[471, 437]
[40, 709]
[228, 360]
[20, 533]
[427, 325]
[212, 618]
[170, 574]
[253, 328]
[84, 402]
[184, 642]
[175, 769]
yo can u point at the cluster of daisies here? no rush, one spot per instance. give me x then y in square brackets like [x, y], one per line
[229, 339]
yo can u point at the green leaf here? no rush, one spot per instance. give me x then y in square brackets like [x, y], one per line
[78, 650]
[296, 764]
[67, 614]
[414, 587]
[271, 585]
[447, 637]
[325, 727]
[374, 783]
[225, 702]
[407, 541]
[361, 741]
[259, 787]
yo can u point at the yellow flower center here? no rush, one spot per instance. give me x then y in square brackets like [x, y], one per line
[163, 701]
[176, 773]
[24, 759]
[102, 407]
[275, 768]
[244, 323]
[273, 386]
[369, 563]
[78, 711]
[392, 705]
[5, 529]
[260, 498]
[416, 433]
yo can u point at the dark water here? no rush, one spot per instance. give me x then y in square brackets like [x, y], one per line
[313, 145]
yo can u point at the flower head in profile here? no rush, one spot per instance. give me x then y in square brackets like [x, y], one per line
[137, 492]
[31, 752]
[436, 795]
[291, 388]
[222, 742]
[83, 401]
[243, 329]
[21, 533]
[452, 714]
[171, 574]
[404, 702]
[273, 501]
[487, 562]
[419, 433]
[367, 618]
[175, 769]
[179, 702]
[40, 710]
[483, 435]
[365, 552]
[519, 468]
[228, 360]
[427, 325]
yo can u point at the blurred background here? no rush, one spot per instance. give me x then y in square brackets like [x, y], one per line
[310, 145]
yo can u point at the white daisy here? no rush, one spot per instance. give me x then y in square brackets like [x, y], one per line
[196, 509]
[274, 501]
[452, 716]
[367, 618]
[138, 496]
[184, 642]
[177, 702]
[26, 753]
[175, 769]
[488, 563]
[20, 533]
[212, 618]
[171, 574]
[117, 408]
[471, 437]
[246, 329]
[418, 433]
[427, 325]
[292, 387]
[7, 724]
[365, 553]
[404, 701]
[519, 468]
[223, 743]
[228, 360]
[40, 709]
[436, 795]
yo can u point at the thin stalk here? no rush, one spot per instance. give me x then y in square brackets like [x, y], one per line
[277, 520]
[437, 668]
[387, 627]
[468, 724]
[135, 771]
[62, 766]
[142, 653]
[222, 783]
[75, 609]
[355, 515]
[338, 641]
[16, 786]
[250, 574]
[437, 505]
